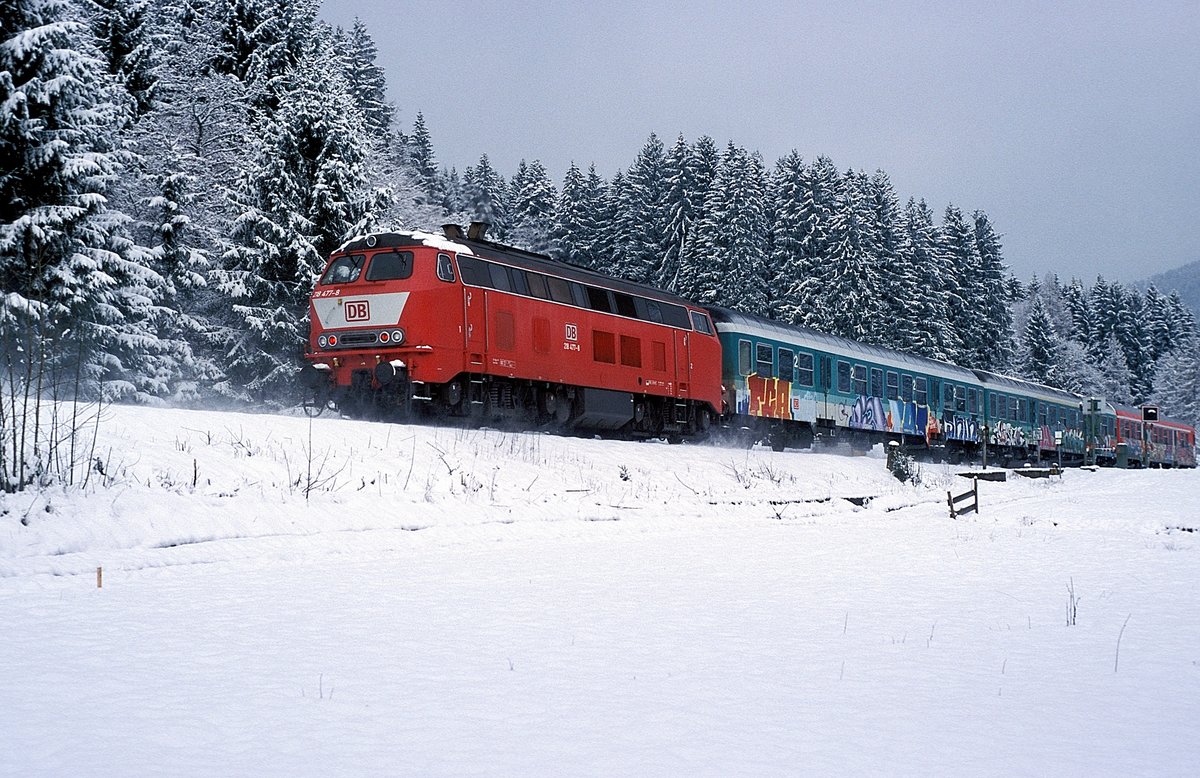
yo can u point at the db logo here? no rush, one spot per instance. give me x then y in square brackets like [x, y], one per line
[357, 310]
[572, 332]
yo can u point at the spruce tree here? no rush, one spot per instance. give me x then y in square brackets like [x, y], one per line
[121, 31]
[303, 193]
[487, 198]
[365, 80]
[532, 208]
[1039, 349]
[573, 232]
[424, 161]
[991, 299]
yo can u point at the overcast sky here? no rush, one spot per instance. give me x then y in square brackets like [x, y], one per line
[1074, 125]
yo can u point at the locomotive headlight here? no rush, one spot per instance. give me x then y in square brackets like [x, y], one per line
[397, 336]
[323, 341]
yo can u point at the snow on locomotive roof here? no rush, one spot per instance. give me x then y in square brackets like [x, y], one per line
[840, 346]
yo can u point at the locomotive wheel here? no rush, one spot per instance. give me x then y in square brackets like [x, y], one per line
[453, 394]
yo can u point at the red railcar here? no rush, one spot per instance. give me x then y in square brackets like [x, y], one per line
[1154, 442]
[462, 326]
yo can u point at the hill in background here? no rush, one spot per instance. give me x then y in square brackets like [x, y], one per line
[1185, 280]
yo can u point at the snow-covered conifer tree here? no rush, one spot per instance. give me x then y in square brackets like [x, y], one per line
[533, 202]
[487, 197]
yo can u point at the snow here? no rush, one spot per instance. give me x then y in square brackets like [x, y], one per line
[451, 602]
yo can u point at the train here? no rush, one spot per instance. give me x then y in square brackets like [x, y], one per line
[454, 325]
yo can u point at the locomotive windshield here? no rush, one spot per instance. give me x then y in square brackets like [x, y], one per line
[390, 266]
[344, 270]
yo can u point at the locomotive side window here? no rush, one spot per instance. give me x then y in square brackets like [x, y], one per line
[520, 281]
[344, 270]
[787, 363]
[859, 383]
[625, 305]
[390, 266]
[537, 286]
[499, 276]
[876, 382]
[676, 316]
[764, 360]
[445, 269]
[654, 312]
[744, 367]
[598, 300]
[893, 385]
[906, 387]
[804, 369]
[474, 272]
[921, 391]
[560, 290]
[843, 377]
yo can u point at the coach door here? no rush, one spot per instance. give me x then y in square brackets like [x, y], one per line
[474, 324]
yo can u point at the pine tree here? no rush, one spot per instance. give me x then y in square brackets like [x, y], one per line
[73, 278]
[1039, 358]
[120, 28]
[366, 80]
[487, 197]
[573, 232]
[301, 196]
[424, 161]
[533, 208]
[990, 299]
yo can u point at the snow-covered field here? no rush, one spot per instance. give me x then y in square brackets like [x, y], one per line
[435, 601]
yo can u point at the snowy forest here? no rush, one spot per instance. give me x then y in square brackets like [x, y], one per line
[173, 175]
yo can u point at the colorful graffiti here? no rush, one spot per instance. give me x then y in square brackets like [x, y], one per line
[872, 413]
[962, 428]
[1007, 434]
[768, 397]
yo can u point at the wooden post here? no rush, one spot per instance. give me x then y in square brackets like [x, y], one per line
[99, 577]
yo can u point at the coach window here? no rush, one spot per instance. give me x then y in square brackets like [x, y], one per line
[764, 360]
[960, 399]
[921, 391]
[992, 406]
[843, 377]
[893, 385]
[344, 270]
[860, 379]
[1023, 410]
[700, 323]
[973, 401]
[744, 367]
[390, 266]
[1012, 409]
[947, 396]
[804, 369]
[906, 384]
[876, 382]
[445, 269]
[786, 364]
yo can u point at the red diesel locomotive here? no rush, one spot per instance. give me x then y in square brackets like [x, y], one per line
[456, 325]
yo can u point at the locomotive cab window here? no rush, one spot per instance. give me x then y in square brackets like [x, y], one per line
[445, 269]
[700, 323]
[764, 360]
[344, 270]
[390, 266]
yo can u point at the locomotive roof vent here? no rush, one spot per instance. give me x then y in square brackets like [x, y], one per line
[452, 231]
[478, 230]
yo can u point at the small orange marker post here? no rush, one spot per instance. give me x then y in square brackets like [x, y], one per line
[99, 577]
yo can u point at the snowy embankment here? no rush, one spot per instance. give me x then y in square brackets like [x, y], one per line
[428, 601]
